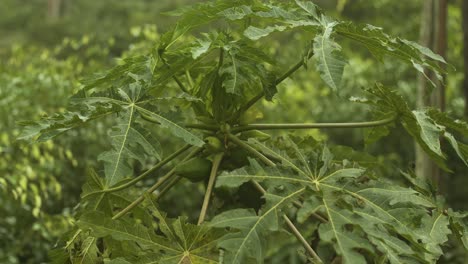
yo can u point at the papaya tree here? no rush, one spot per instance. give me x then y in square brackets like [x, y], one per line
[264, 197]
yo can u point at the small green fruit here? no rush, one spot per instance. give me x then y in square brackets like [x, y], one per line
[213, 145]
[250, 116]
[194, 169]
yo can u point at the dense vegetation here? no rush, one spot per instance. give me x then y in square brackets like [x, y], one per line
[200, 145]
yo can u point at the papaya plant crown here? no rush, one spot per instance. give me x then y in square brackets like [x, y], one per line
[200, 83]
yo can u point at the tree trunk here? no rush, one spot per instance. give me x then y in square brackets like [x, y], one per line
[465, 49]
[440, 47]
[53, 9]
[433, 34]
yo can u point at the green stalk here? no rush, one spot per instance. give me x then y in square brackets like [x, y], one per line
[209, 188]
[143, 196]
[195, 126]
[181, 85]
[313, 125]
[202, 127]
[221, 58]
[189, 78]
[161, 181]
[144, 174]
[260, 95]
[301, 239]
[250, 149]
[167, 187]
[293, 228]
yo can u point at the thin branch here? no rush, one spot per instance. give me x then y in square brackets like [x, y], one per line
[293, 228]
[259, 187]
[179, 83]
[202, 127]
[313, 125]
[295, 203]
[160, 182]
[167, 187]
[283, 77]
[144, 174]
[194, 126]
[209, 188]
[250, 149]
[221, 58]
[143, 196]
[301, 239]
[189, 78]
[293, 69]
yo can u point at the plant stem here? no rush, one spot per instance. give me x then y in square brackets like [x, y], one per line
[295, 203]
[250, 149]
[293, 69]
[144, 174]
[142, 197]
[301, 239]
[221, 58]
[293, 228]
[258, 187]
[209, 188]
[195, 126]
[181, 85]
[153, 188]
[168, 186]
[202, 127]
[312, 125]
[189, 78]
[283, 77]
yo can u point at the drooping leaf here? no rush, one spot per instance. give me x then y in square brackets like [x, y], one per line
[140, 66]
[330, 61]
[287, 18]
[79, 114]
[459, 225]
[381, 44]
[426, 126]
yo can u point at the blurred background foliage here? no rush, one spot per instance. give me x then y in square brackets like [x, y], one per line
[46, 47]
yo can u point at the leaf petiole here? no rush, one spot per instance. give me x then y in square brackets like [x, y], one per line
[209, 188]
[194, 126]
[144, 174]
[250, 149]
[158, 184]
[313, 125]
[293, 228]
[280, 79]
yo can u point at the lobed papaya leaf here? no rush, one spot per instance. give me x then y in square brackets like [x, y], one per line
[366, 216]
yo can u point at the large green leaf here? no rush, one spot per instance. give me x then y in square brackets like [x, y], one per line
[182, 242]
[327, 53]
[175, 129]
[381, 44]
[102, 225]
[286, 18]
[366, 217]
[128, 143]
[426, 126]
[79, 114]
